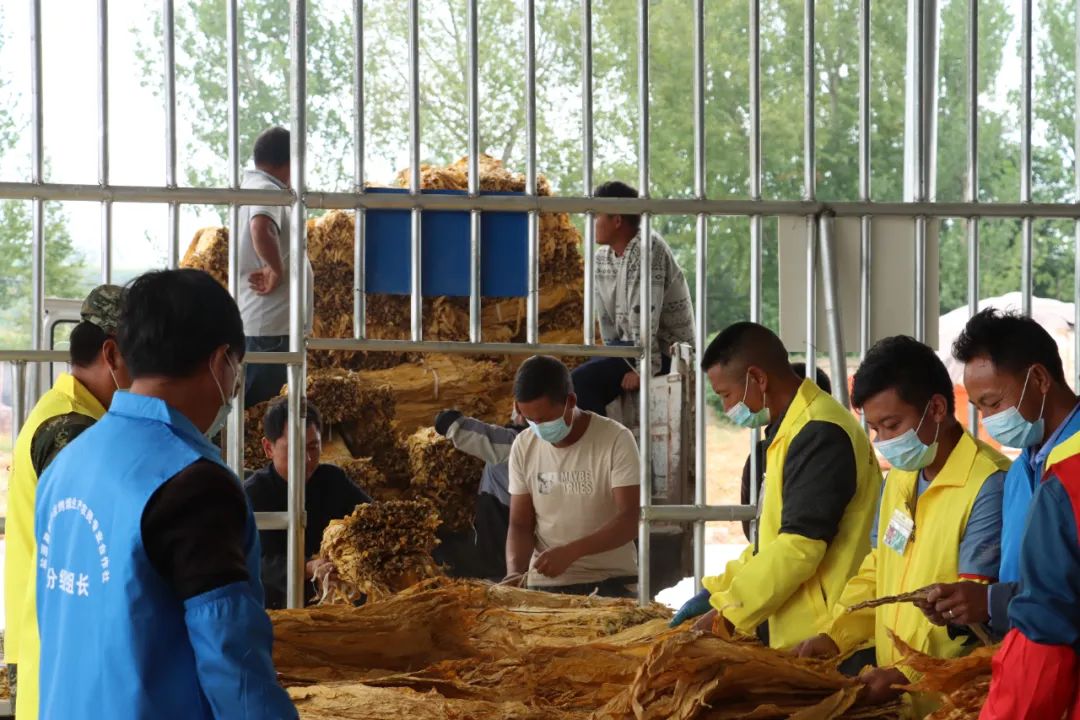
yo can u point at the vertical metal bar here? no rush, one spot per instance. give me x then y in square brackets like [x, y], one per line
[865, 238]
[971, 190]
[756, 224]
[1076, 229]
[103, 137]
[360, 215]
[702, 287]
[645, 246]
[809, 82]
[919, 156]
[18, 399]
[810, 180]
[37, 155]
[235, 434]
[834, 317]
[587, 165]
[168, 23]
[533, 304]
[811, 296]
[416, 285]
[1026, 288]
[476, 265]
[920, 278]
[297, 301]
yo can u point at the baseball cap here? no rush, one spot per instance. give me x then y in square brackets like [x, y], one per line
[102, 307]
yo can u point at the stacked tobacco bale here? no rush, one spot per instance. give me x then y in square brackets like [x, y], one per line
[330, 247]
[444, 475]
[254, 457]
[361, 412]
[383, 547]
[209, 252]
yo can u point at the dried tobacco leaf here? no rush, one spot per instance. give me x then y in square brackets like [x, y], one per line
[381, 548]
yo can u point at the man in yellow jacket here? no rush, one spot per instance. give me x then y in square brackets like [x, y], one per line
[821, 487]
[939, 519]
[76, 401]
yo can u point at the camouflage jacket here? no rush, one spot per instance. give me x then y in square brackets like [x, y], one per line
[54, 435]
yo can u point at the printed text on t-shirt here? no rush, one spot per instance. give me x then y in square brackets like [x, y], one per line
[573, 482]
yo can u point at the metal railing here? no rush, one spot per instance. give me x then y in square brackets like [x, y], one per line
[920, 204]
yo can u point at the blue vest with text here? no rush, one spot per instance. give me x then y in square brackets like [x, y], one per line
[114, 640]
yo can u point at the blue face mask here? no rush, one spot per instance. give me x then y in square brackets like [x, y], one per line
[552, 431]
[1011, 429]
[743, 416]
[907, 451]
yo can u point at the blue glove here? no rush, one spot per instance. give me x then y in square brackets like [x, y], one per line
[695, 606]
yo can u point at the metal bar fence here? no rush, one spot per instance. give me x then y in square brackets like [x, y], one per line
[819, 237]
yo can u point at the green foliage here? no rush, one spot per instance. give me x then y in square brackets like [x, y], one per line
[63, 263]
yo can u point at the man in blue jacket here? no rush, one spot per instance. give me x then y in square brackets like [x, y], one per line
[1036, 670]
[148, 593]
[1013, 374]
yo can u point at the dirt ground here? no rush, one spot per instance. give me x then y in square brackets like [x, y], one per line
[726, 451]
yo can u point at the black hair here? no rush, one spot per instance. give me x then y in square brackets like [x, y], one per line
[1012, 342]
[173, 321]
[619, 189]
[821, 378]
[277, 413]
[748, 343]
[906, 365]
[85, 344]
[272, 148]
[543, 376]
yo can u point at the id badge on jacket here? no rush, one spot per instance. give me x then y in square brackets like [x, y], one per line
[899, 532]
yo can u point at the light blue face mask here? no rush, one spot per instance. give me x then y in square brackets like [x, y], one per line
[1011, 429]
[743, 416]
[552, 431]
[907, 451]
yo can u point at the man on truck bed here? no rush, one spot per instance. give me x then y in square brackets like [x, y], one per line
[822, 483]
[574, 491]
[264, 260]
[618, 305]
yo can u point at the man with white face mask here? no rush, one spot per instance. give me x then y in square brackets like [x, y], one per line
[821, 487]
[939, 517]
[1014, 376]
[574, 491]
[76, 401]
[147, 552]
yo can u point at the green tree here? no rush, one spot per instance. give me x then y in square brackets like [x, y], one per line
[64, 265]
[444, 121]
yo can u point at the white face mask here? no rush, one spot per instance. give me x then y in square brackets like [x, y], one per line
[226, 400]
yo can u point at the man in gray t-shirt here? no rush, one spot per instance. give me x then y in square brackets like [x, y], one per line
[264, 260]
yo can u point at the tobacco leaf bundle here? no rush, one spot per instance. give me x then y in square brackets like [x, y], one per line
[383, 547]
[209, 252]
[689, 675]
[254, 457]
[446, 476]
[344, 396]
[962, 683]
[920, 595]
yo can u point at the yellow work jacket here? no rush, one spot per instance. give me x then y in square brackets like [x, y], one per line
[792, 581]
[941, 517]
[21, 636]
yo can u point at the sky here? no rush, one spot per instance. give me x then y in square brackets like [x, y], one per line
[137, 122]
